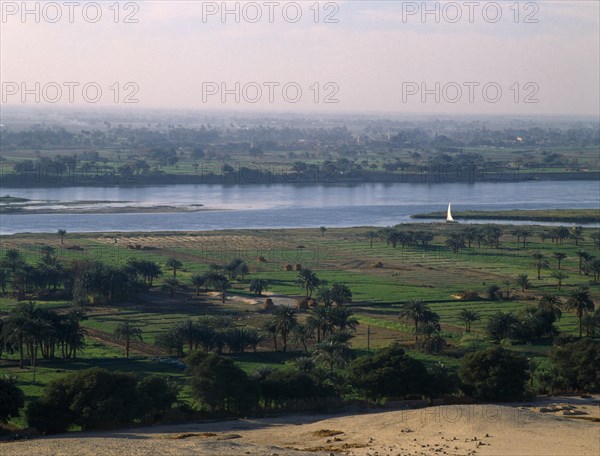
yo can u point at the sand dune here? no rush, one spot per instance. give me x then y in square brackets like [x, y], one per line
[545, 428]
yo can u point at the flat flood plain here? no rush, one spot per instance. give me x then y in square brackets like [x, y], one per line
[433, 274]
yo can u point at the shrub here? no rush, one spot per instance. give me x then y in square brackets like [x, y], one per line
[283, 387]
[50, 413]
[388, 373]
[221, 385]
[156, 395]
[98, 398]
[12, 399]
[493, 292]
[577, 365]
[494, 374]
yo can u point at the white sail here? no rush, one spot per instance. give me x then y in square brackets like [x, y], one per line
[449, 215]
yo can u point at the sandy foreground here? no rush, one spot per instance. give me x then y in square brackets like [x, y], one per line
[547, 427]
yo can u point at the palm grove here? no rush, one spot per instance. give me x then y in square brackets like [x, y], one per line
[322, 369]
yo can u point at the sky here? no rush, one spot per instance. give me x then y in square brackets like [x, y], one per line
[504, 57]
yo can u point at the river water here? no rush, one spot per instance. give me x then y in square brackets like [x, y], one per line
[291, 206]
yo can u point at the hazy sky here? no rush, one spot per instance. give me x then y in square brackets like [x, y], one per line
[377, 57]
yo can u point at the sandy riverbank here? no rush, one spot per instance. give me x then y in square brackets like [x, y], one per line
[552, 426]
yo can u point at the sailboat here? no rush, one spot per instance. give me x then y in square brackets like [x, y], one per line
[449, 218]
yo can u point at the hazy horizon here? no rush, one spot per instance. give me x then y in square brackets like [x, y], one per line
[377, 59]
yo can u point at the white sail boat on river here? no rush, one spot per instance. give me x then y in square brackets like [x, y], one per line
[449, 218]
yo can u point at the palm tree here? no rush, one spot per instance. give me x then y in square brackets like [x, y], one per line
[171, 285]
[285, 320]
[325, 296]
[468, 317]
[414, 310]
[493, 235]
[560, 234]
[149, 270]
[270, 326]
[559, 276]
[343, 319]
[455, 242]
[188, 331]
[552, 304]
[341, 294]
[517, 233]
[322, 319]
[539, 262]
[174, 264]
[559, 257]
[525, 234]
[472, 234]
[392, 237]
[331, 353]
[583, 257]
[577, 234]
[591, 323]
[523, 282]
[3, 279]
[372, 235]
[125, 331]
[235, 268]
[73, 334]
[198, 281]
[595, 268]
[580, 301]
[258, 286]
[222, 284]
[62, 234]
[308, 280]
[13, 260]
[304, 364]
[17, 326]
[500, 325]
[301, 333]
[432, 342]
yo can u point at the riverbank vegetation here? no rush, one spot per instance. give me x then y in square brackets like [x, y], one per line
[576, 216]
[300, 319]
[384, 150]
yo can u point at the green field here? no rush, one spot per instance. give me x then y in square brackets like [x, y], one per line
[431, 273]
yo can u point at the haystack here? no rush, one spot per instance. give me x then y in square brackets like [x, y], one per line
[466, 296]
[288, 267]
[377, 265]
[268, 304]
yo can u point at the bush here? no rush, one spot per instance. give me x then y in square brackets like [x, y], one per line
[48, 417]
[12, 399]
[388, 373]
[282, 387]
[494, 374]
[493, 292]
[221, 385]
[577, 365]
[50, 414]
[156, 395]
[98, 398]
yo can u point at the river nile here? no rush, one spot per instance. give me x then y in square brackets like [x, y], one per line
[290, 206]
